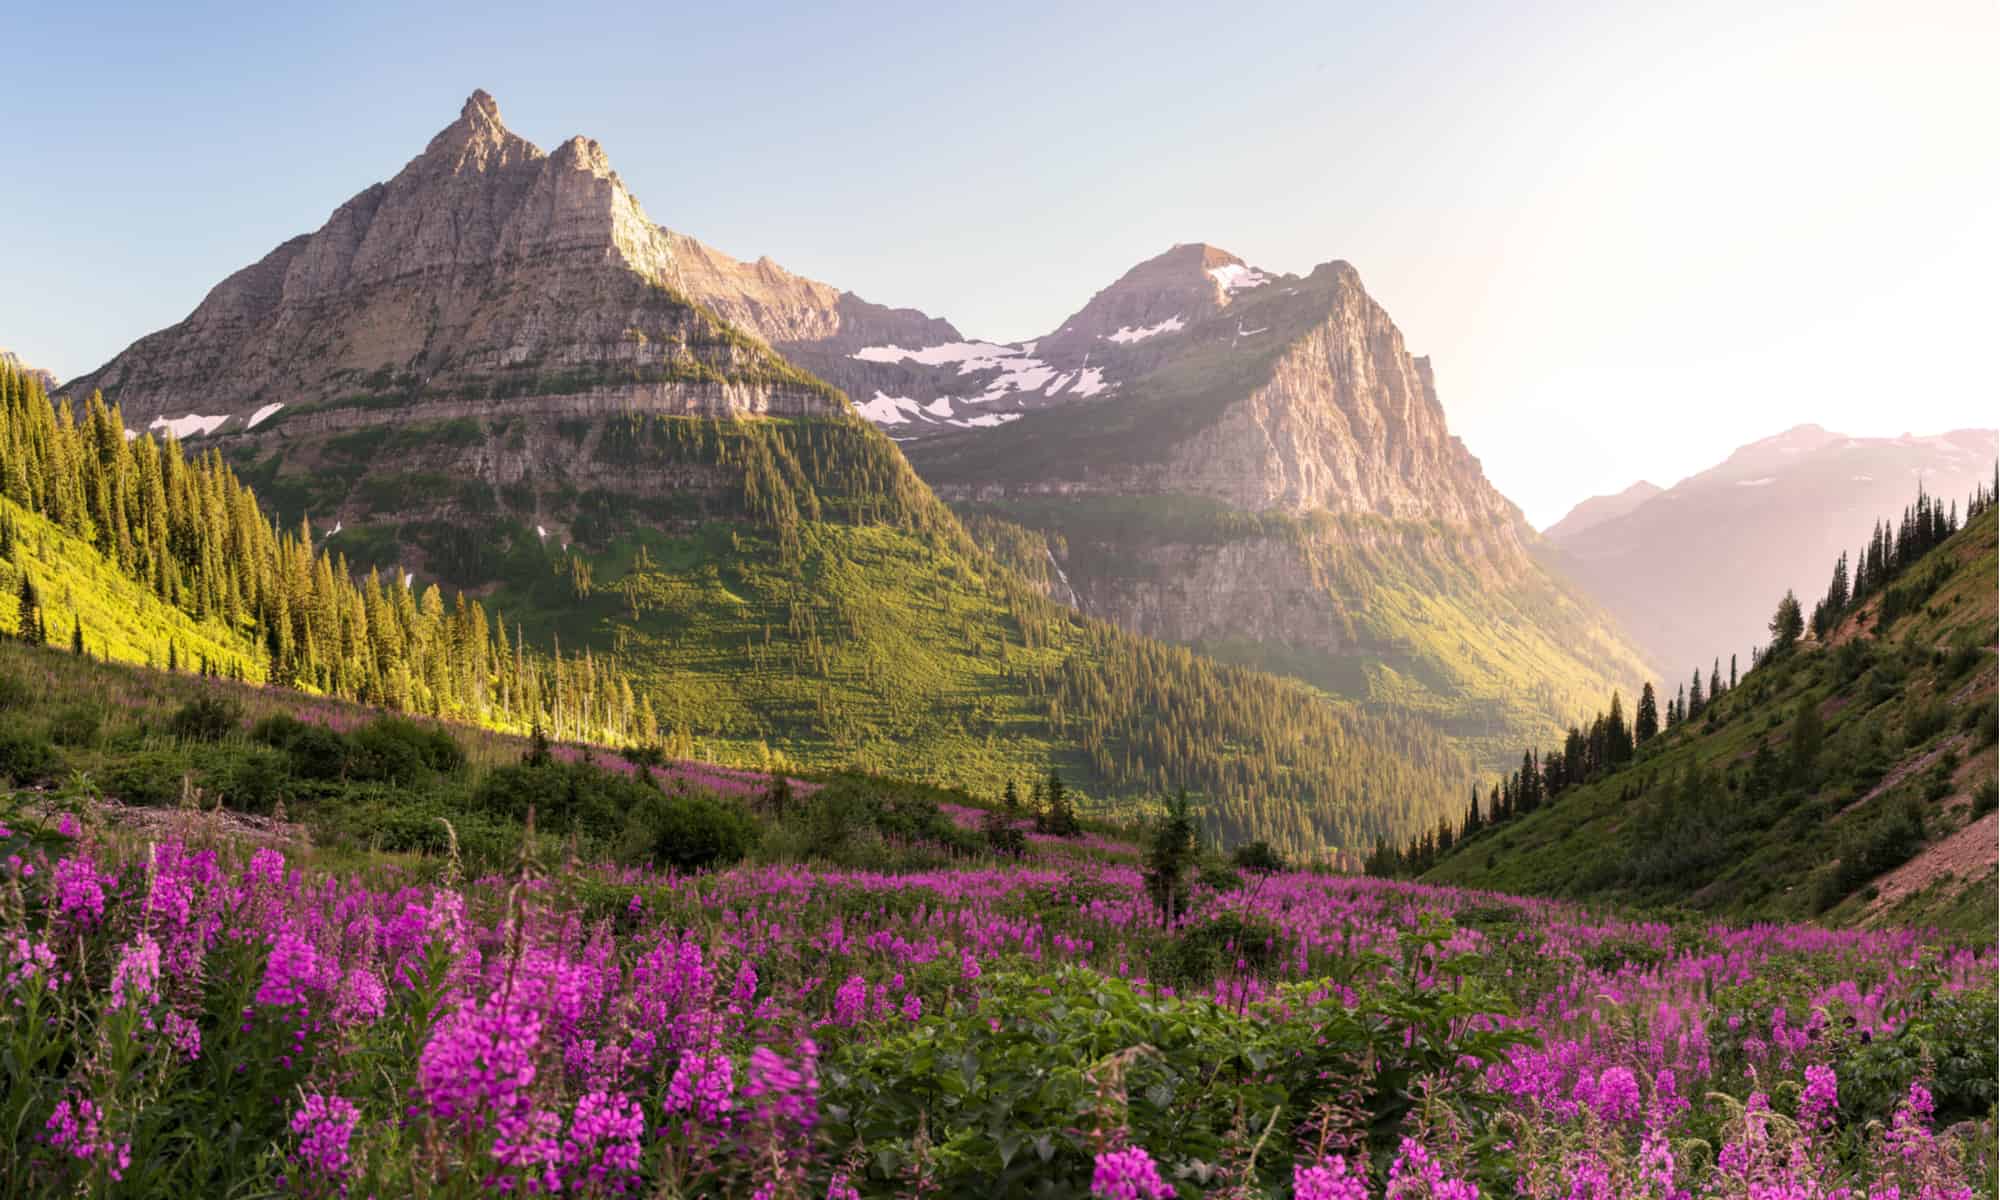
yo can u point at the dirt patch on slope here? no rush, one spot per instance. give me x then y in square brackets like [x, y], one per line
[1966, 855]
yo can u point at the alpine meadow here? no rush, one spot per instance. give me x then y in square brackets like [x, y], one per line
[502, 697]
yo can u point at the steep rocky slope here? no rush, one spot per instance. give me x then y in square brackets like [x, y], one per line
[1268, 474]
[42, 375]
[1692, 571]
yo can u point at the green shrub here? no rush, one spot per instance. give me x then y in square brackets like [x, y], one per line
[206, 719]
[399, 750]
[13, 692]
[253, 781]
[1257, 856]
[152, 778]
[686, 832]
[25, 757]
[1985, 798]
[79, 725]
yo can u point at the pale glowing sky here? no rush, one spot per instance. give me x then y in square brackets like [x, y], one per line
[1630, 237]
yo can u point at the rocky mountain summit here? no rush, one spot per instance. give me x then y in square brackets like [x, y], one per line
[1263, 470]
[11, 359]
[485, 275]
[1695, 569]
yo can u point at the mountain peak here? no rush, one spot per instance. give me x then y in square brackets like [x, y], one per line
[478, 140]
[480, 106]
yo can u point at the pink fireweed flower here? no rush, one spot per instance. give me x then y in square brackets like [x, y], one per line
[136, 979]
[79, 891]
[1416, 1175]
[1820, 1098]
[603, 1142]
[1128, 1174]
[782, 1093]
[325, 1127]
[362, 999]
[30, 962]
[850, 1002]
[292, 972]
[77, 1129]
[480, 1063]
[1329, 1179]
[703, 1087]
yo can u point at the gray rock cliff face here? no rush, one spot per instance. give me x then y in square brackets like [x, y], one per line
[484, 269]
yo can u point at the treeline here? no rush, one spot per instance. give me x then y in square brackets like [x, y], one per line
[1270, 760]
[1890, 551]
[193, 534]
[1608, 742]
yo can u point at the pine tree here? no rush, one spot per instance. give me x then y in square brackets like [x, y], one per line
[76, 637]
[1787, 624]
[1646, 722]
[1170, 853]
[31, 629]
[1714, 680]
[1695, 702]
[1732, 672]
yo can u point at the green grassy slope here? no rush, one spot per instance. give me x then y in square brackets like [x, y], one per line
[122, 619]
[1888, 817]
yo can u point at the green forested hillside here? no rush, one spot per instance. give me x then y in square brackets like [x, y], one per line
[1849, 777]
[799, 595]
[787, 589]
[121, 542]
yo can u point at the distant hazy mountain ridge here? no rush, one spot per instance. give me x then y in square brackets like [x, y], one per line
[1691, 570]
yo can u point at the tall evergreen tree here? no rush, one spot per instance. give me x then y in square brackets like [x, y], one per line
[1646, 722]
[1787, 624]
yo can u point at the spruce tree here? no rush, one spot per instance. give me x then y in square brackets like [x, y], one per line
[1787, 624]
[1695, 701]
[1646, 722]
[76, 637]
[1170, 854]
[31, 629]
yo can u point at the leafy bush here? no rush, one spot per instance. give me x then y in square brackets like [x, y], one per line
[152, 778]
[206, 719]
[1948, 1042]
[1985, 798]
[255, 780]
[13, 692]
[25, 757]
[688, 832]
[398, 750]
[1257, 856]
[1006, 1103]
[77, 725]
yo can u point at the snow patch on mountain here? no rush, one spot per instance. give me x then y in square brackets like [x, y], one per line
[987, 420]
[189, 426]
[1756, 482]
[1236, 277]
[884, 409]
[261, 415]
[1125, 334]
[1090, 381]
[970, 356]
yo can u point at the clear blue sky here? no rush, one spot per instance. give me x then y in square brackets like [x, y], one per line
[1629, 238]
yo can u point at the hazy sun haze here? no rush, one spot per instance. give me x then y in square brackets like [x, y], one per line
[1630, 239]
